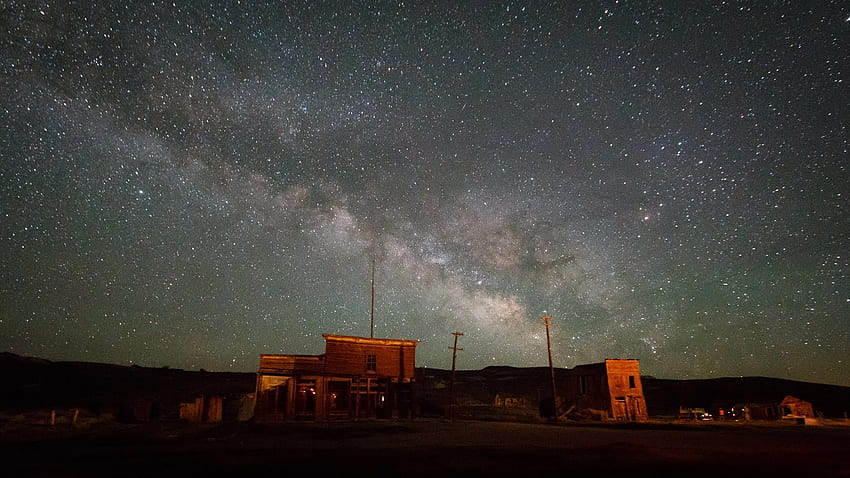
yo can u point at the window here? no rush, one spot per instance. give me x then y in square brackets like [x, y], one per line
[631, 381]
[371, 363]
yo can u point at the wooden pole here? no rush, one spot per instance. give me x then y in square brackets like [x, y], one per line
[369, 408]
[357, 398]
[372, 328]
[546, 320]
[452, 387]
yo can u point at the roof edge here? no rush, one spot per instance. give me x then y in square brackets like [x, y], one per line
[368, 340]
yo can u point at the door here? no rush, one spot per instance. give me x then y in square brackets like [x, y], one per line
[305, 400]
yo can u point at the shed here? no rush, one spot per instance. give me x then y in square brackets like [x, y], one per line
[787, 407]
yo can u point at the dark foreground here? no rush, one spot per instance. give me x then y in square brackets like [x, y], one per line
[425, 448]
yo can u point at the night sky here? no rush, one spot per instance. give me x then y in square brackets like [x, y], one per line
[192, 184]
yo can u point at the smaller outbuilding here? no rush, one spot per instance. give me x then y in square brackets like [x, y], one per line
[787, 408]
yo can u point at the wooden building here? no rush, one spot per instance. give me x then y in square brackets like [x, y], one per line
[202, 410]
[787, 408]
[356, 378]
[607, 390]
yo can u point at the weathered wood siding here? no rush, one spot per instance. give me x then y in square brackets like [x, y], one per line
[338, 384]
[347, 356]
[592, 388]
[587, 388]
[203, 410]
[277, 364]
[794, 407]
[609, 390]
[625, 390]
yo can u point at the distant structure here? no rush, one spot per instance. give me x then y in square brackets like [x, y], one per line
[202, 410]
[356, 378]
[788, 407]
[510, 402]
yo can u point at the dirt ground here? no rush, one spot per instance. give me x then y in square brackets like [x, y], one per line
[421, 447]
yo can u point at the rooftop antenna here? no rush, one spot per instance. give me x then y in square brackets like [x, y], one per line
[372, 329]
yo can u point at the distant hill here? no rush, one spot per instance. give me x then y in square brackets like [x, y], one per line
[31, 383]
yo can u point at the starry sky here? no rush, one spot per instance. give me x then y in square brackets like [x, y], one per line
[192, 184]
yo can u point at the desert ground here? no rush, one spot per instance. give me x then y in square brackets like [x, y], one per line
[419, 447]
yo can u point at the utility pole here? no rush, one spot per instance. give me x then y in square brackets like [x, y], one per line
[546, 320]
[372, 328]
[452, 387]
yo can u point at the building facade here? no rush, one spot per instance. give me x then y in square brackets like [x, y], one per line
[609, 390]
[356, 378]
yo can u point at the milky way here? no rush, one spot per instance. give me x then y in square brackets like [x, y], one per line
[192, 185]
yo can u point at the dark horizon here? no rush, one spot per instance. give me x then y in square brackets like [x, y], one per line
[438, 369]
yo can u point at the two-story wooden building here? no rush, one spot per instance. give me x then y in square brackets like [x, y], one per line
[356, 378]
[611, 388]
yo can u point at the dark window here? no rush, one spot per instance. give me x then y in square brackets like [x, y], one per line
[631, 381]
[339, 402]
[582, 384]
[371, 363]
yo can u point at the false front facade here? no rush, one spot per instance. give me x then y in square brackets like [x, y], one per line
[611, 389]
[356, 378]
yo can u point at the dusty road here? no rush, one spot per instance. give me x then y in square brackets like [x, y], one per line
[428, 448]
